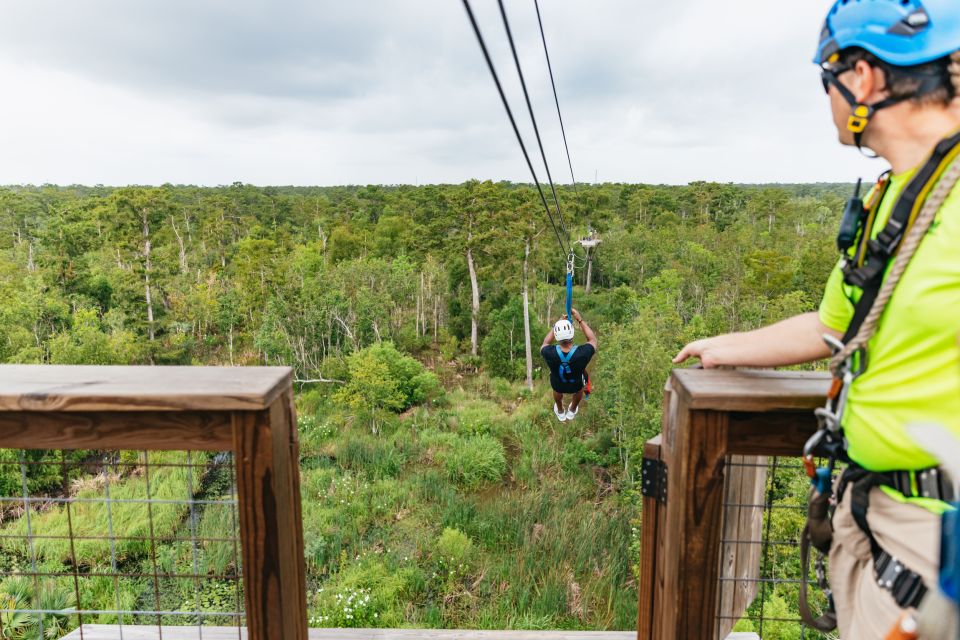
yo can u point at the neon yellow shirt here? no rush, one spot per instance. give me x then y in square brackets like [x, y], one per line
[913, 372]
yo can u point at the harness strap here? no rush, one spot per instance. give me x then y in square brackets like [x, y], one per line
[905, 585]
[565, 368]
[876, 253]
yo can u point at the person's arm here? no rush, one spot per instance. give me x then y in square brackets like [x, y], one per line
[547, 340]
[795, 340]
[587, 331]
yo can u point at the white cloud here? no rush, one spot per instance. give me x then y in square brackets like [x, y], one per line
[372, 91]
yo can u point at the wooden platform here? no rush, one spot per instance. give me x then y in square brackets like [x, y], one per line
[111, 632]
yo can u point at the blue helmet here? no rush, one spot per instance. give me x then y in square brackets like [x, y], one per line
[902, 33]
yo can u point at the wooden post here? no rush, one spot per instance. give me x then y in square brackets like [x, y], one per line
[694, 455]
[652, 514]
[707, 416]
[268, 491]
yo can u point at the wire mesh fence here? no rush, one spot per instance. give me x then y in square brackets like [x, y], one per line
[764, 512]
[120, 538]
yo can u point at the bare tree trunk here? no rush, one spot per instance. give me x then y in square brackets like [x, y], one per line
[30, 265]
[417, 317]
[586, 290]
[183, 251]
[422, 309]
[475, 305]
[146, 273]
[526, 316]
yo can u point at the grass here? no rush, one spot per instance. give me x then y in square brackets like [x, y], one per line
[549, 542]
[475, 461]
[94, 517]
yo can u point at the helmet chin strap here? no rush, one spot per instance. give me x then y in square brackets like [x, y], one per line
[862, 113]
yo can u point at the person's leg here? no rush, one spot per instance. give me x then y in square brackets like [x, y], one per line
[575, 402]
[558, 400]
[909, 532]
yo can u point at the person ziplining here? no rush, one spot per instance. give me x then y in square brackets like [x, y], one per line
[568, 363]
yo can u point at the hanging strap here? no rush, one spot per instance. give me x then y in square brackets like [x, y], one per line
[826, 622]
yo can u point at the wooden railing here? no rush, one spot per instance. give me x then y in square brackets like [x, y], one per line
[248, 411]
[709, 416]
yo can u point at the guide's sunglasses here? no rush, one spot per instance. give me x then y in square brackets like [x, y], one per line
[830, 75]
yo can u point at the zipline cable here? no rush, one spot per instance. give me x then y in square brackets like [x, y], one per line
[566, 147]
[571, 256]
[513, 122]
[556, 100]
[533, 119]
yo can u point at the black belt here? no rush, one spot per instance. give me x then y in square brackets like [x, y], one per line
[933, 483]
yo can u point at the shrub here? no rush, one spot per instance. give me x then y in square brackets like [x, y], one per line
[454, 547]
[18, 593]
[381, 379]
[475, 461]
[88, 343]
[599, 449]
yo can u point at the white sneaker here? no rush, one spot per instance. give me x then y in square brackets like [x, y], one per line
[561, 415]
[572, 414]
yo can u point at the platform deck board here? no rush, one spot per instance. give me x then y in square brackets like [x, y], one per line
[112, 632]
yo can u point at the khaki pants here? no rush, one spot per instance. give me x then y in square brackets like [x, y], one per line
[908, 532]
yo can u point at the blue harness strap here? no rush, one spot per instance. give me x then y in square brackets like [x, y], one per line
[950, 555]
[570, 296]
[566, 373]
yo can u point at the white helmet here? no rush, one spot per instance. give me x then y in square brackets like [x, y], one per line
[563, 330]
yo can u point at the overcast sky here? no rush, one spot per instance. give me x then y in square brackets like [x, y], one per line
[324, 92]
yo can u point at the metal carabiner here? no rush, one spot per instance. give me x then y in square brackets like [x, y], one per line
[836, 345]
